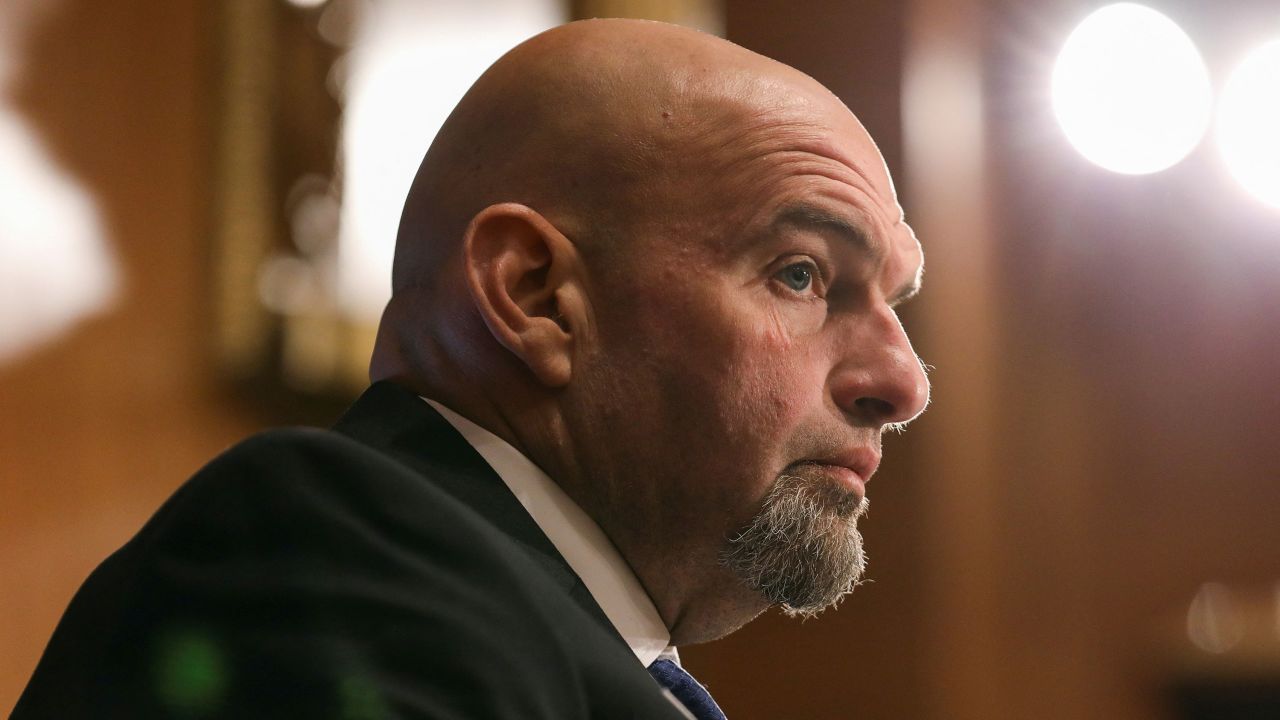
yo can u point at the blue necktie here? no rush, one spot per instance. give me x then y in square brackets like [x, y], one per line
[688, 691]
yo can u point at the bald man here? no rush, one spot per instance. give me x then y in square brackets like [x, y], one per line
[628, 392]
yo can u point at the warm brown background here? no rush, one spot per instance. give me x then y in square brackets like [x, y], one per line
[1107, 353]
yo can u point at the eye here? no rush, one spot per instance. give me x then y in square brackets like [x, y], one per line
[797, 276]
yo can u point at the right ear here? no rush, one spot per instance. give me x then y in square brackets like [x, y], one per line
[523, 276]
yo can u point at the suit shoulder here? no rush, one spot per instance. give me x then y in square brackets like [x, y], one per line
[283, 454]
[299, 562]
[292, 470]
[293, 487]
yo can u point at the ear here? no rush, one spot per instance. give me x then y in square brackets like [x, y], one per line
[523, 276]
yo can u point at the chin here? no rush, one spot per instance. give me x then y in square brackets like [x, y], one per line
[802, 550]
[724, 615]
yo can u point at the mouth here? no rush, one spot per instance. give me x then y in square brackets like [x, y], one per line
[851, 468]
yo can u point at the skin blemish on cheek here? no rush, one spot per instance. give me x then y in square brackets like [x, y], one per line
[776, 335]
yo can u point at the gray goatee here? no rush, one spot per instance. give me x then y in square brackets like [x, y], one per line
[803, 550]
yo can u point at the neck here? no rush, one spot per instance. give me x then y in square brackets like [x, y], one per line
[697, 604]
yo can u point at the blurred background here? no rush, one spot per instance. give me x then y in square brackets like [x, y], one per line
[197, 205]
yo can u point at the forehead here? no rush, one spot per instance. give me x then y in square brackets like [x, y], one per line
[788, 153]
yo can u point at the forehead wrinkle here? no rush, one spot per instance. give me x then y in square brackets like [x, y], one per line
[729, 132]
[747, 138]
[786, 137]
[812, 217]
[865, 214]
[882, 198]
[855, 153]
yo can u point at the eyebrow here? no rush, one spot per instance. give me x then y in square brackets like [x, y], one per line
[816, 218]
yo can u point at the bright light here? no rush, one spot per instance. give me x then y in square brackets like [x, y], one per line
[413, 62]
[56, 264]
[1249, 123]
[1131, 91]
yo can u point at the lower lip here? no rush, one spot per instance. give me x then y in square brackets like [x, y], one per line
[840, 474]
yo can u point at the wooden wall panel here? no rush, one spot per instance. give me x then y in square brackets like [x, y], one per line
[97, 428]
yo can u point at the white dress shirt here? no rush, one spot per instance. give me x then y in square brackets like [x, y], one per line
[578, 538]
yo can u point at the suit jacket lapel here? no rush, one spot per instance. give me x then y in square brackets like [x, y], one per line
[400, 424]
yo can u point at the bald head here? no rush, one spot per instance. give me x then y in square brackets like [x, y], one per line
[589, 124]
[605, 128]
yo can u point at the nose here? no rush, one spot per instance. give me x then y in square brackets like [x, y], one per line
[877, 377]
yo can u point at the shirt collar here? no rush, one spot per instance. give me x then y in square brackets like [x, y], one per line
[577, 537]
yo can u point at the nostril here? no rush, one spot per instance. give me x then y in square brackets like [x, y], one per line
[875, 408]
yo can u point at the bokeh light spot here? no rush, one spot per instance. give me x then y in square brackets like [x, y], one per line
[1214, 622]
[361, 700]
[412, 63]
[1131, 91]
[1248, 130]
[190, 672]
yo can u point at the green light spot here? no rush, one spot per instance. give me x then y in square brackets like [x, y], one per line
[361, 700]
[189, 672]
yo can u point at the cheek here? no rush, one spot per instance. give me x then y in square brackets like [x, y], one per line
[735, 375]
[783, 356]
[775, 377]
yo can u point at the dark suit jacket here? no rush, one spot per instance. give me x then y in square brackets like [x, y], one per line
[380, 569]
